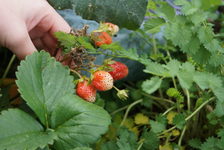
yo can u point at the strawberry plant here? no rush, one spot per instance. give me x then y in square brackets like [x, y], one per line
[175, 102]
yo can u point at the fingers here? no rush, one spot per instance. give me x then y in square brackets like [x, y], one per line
[14, 35]
[58, 23]
[22, 47]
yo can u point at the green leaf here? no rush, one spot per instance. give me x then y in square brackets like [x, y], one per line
[179, 121]
[198, 17]
[127, 140]
[205, 34]
[203, 79]
[114, 47]
[192, 47]
[186, 75]
[190, 8]
[153, 25]
[159, 125]
[77, 122]
[66, 40]
[210, 144]
[165, 10]
[213, 45]
[110, 145]
[180, 2]
[195, 143]
[42, 82]
[151, 141]
[219, 109]
[151, 6]
[216, 59]
[202, 56]
[150, 86]
[179, 33]
[156, 69]
[125, 13]
[19, 131]
[85, 42]
[210, 3]
[208, 80]
[130, 53]
[82, 148]
[173, 67]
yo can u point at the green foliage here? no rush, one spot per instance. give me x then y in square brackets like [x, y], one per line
[159, 125]
[49, 80]
[156, 69]
[179, 121]
[128, 14]
[151, 141]
[153, 25]
[181, 94]
[49, 93]
[82, 121]
[195, 143]
[127, 140]
[150, 86]
[20, 131]
[82, 148]
[211, 143]
[68, 41]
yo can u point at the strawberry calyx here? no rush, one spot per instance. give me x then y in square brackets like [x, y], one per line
[108, 27]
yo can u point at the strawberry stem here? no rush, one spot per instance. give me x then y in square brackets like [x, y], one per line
[116, 88]
[75, 72]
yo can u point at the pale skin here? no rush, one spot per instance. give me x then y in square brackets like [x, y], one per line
[28, 25]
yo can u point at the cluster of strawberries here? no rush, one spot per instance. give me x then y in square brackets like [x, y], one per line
[102, 81]
[102, 78]
[103, 35]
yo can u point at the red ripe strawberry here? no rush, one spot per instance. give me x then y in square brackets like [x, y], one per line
[119, 71]
[86, 91]
[102, 81]
[101, 38]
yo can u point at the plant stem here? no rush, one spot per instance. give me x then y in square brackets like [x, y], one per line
[154, 45]
[158, 98]
[116, 88]
[75, 72]
[174, 82]
[140, 146]
[9, 66]
[128, 109]
[118, 110]
[181, 136]
[168, 130]
[199, 108]
[188, 100]
[150, 96]
[191, 115]
[168, 110]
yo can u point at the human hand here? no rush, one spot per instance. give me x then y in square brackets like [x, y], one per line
[27, 25]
